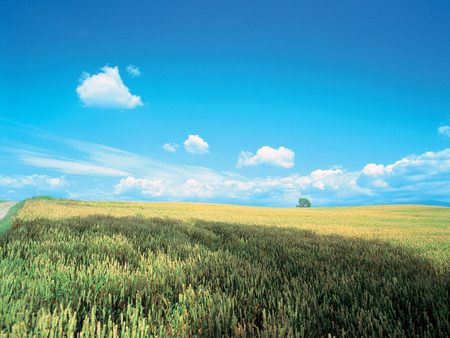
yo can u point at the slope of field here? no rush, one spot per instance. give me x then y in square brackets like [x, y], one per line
[141, 269]
[426, 229]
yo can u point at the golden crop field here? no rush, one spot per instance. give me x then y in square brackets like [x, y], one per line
[424, 228]
[117, 269]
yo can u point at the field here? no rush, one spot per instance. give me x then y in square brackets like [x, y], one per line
[168, 269]
[425, 229]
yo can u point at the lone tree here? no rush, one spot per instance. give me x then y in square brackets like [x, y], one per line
[303, 203]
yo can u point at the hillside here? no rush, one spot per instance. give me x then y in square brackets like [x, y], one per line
[72, 267]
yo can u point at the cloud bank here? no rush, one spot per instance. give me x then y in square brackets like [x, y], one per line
[410, 180]
[106, 90]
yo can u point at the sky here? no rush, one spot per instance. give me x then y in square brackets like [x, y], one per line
[241, 102]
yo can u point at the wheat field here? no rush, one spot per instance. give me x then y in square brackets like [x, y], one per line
[117, 269]
[424, 228]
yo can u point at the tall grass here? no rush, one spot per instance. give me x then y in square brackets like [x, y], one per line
[140, 276]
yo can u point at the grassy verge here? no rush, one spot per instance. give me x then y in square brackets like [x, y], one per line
[6, 222]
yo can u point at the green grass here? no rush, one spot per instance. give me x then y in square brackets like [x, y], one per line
[142, 276]
[6, 222]
[48, 198]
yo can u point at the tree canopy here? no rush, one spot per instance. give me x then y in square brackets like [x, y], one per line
[303, 203]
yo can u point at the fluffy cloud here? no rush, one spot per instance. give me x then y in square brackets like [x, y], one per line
[41, 181]
[281, 157]
[429, 168]
[106, 90]
[444, 130]
[143, 185]
[373, 169]
[170, 147]
[133, 71]
[195, 145]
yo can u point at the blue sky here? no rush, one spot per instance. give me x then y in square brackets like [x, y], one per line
[256, 102]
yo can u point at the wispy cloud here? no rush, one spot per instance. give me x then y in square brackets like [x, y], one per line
[42, 181]
[133, 71]
[136, 164]
[67, 166]
[444, 131]
[99, 160]
[71, 167]
[106, 90]
[170, 147]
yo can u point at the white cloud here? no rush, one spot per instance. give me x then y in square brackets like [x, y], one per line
[164, 188]
[133, 71]
[444, 130]
[412, 179]
[195, 145]
[279, 191]
[106, 90]
[141, 184]
[40, 181]
[429, 163]
[170, 147]
[319, 185]
[373, 169]
[281, 157]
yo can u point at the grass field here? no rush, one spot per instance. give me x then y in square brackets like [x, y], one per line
[169, 269]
